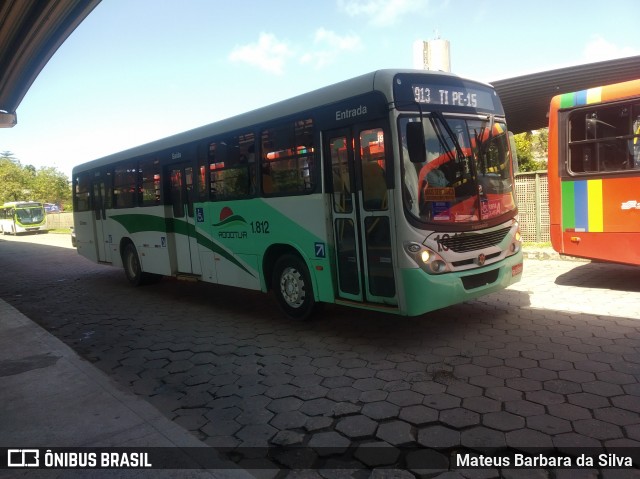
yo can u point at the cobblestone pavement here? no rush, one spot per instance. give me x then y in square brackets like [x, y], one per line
[550, 364]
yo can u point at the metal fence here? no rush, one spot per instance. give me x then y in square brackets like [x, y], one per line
[532, 194]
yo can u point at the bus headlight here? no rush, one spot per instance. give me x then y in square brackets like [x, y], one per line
[427, 259]
[438, 266]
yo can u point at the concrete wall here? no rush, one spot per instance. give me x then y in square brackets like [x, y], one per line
[59, 220]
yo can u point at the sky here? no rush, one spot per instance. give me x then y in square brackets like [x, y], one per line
[138, 70]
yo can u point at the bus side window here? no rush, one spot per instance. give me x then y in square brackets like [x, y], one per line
[374, 183]
[201, 172]
[288, 161]
[601, 139]
[341, 176]
[82, 194]
[125, 187]
[634, 142]
[151, 181]
[232, 167]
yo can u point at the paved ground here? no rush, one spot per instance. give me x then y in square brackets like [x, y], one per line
[551, 364]
[51, 397]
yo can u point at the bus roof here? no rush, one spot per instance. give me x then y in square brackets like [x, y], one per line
[604, 93]
[23, 204]
[380, 80]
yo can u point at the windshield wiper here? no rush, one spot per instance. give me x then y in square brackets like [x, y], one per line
[452, 136]
[480, 143]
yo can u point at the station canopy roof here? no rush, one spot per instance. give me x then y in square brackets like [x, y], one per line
[526, 98]
[32, 30]
[30, 33]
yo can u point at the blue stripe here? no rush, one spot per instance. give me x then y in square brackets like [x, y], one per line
[581, 204]
[581, 97]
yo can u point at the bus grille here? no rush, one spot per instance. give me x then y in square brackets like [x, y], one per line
[474, 241]
[479, 280]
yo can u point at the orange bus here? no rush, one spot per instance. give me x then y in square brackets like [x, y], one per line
[594, 173]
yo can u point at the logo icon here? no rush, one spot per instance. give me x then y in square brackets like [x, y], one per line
[23, 457]
[630, 205]
[227, 218]
[481, 259]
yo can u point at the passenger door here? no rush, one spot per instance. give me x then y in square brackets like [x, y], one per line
[102, 192]
[358, 181]
[182, 223]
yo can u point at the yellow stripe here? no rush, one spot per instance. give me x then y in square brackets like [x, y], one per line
[594, 195]
[594, 95]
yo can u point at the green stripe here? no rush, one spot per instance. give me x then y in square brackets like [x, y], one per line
[567, 100]
[142, 223]
[568, 205]
[235, 219]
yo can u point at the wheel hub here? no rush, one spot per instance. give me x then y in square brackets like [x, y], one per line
[292, 287]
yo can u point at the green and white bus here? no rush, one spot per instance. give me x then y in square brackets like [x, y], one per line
[392, 191]
[22, 217]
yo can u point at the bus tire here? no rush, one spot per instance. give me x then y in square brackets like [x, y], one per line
[292, 287]
[132, 268]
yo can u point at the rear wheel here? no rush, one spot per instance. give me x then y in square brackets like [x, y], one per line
[292, 287]
[132, 268]
[131, 263]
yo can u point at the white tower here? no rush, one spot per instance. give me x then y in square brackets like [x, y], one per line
[432, 55]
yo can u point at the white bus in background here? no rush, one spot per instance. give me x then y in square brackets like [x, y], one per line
[22, 217]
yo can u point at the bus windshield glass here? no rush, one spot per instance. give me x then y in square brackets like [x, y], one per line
[30, 215]
[466, 175]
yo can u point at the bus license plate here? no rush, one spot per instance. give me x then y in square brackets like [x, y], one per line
[516, 270]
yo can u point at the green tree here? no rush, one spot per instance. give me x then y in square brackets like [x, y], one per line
[13, 178]
[531, 148]
[23, 182]
[51, 186]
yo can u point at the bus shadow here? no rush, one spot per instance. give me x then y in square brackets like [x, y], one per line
[218, 307]
[101, 285]
[617, 277]
[84, 289]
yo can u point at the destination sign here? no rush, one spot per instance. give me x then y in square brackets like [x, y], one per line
[452, 96]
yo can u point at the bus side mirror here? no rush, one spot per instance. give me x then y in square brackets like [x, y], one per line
[416, 143]
[514, 153]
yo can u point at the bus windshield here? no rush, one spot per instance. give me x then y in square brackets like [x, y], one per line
[30, 215]
[466, 175]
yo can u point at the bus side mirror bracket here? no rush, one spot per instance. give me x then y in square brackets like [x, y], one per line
[416, 143]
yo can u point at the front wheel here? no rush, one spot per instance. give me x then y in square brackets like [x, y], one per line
[292, 287]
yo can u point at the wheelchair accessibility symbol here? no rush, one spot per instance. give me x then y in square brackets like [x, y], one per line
[200, 215]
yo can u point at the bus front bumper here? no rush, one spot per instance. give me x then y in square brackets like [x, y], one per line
[425, 292]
